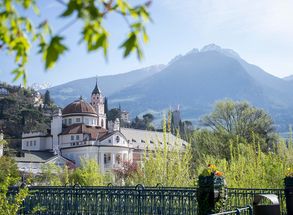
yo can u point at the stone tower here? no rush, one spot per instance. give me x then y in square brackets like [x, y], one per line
[98, 102]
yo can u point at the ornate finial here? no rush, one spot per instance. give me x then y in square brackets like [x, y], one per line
[80, 98]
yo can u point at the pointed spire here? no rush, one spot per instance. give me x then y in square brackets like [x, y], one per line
[96, 90]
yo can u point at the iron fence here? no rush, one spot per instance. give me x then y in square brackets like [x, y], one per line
[238, 211]
[139, 200]
[111, 200]
[237, 197]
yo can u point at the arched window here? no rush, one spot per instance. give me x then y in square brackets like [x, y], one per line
[102, 123]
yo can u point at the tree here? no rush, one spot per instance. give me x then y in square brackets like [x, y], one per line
[113, 114]
[125, 175]
[138, 123]
[88, 174]
[148, 119]
[17, 31]
[241, 119]
[8, 169]
[47, 99]
[10, 205]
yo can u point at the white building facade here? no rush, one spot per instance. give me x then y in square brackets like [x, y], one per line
[79, 132]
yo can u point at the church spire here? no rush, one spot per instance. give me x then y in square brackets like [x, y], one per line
[96, 90]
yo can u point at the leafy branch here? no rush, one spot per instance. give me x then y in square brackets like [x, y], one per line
[17, 32]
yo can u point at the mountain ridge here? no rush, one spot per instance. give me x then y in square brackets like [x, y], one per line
[195, 81]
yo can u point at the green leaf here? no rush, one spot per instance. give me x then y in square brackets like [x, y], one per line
[71, 6]
[27, 3]
[36, 9]
[53, 51]
[129, 44]
[145, 36]
[20, 72]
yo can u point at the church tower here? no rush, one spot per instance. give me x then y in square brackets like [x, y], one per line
[98, 102]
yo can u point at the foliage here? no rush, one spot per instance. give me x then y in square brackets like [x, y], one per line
[47, 99]
[18, 34]
[8, 171]
[145, 123]
[166, 165]
[53, 175]
[113, 114]
[9, 205]
[249, 167]
[20, 112]
[289, 172]
[211, 170]
[127, 173]
[242, 120]
[88, 174]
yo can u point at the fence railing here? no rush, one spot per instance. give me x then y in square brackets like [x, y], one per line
[132, 200]
[237, 197]
[111, 200]
[238, 211]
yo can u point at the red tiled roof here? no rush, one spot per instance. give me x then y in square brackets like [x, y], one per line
[79, 106]
[94, 132]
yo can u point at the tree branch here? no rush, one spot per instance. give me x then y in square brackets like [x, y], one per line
[67, 26]
[61, 2]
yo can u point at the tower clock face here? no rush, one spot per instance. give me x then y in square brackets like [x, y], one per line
[117, 139]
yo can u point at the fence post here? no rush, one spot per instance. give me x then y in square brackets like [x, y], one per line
[76, 186]
[211, 194]
[139, 188]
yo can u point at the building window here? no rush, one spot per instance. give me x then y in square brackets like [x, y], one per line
[69, 121]
[77, 137]
[109, 141]
[77, 120]
[72, 137]
[117, 139]
[31, 143]
[107, 158]
[35, 142]
[151, 142]
[26, 143]
[102, 123]
[142, 141]
[86, 120]
[118, 158]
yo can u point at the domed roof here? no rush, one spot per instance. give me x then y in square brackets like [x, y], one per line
[79, 106]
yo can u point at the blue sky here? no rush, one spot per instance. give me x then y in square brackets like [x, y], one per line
[260, 31]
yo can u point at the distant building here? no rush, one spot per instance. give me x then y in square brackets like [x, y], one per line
[125, 116]
[176, 118]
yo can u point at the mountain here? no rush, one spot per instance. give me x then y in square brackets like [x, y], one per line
[198, 79]
[195, 81]
[40, 86]
[288, 78]
[68, 92]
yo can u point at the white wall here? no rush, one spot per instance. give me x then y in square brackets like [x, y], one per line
[87, 120]
[36, 143]
[56, 129]
[113, 140]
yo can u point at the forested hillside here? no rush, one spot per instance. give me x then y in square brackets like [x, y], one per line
[22, 110]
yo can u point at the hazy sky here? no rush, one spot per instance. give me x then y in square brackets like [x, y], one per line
[260, 31]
